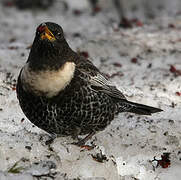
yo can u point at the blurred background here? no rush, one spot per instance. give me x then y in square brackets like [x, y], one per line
[83, 18]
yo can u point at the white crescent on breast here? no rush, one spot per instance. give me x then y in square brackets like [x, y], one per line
[47, 82]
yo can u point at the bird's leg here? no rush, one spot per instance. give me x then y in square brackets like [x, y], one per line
[84, 140]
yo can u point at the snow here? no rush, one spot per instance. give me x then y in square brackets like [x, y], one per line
[131, 142]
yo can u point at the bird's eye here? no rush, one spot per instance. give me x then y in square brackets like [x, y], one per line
[59, 34]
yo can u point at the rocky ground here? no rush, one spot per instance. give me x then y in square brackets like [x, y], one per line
[144, 62]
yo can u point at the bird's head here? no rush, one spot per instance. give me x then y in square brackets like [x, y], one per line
[50, 33]
[49, 49]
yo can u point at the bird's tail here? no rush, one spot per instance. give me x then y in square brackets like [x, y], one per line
[136, 108]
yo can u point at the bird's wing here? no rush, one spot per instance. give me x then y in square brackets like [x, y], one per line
[98, 81]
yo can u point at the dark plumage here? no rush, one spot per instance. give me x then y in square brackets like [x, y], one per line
[64, 93]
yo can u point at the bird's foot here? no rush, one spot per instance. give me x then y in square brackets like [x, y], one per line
[79, 143]
[84, 140]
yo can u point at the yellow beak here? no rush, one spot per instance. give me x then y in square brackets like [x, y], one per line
[47, 34]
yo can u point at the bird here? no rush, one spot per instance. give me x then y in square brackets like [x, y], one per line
[64, 93]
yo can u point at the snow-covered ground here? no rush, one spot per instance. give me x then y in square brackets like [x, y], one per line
[144, 63]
